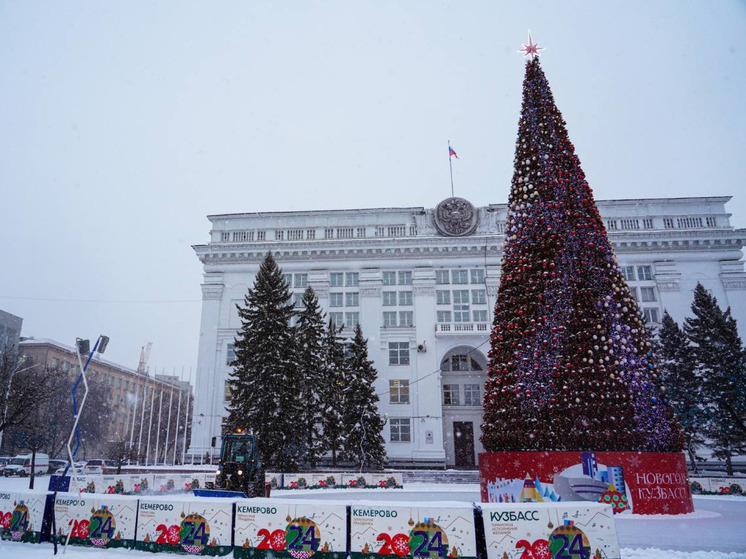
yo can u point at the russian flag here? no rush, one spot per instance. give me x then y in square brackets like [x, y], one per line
[452, 152]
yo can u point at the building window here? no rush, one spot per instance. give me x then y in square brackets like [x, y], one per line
[471, 395]
[689, 222]
[261, 235]
[295, 235]
[460, 276]
[444, 316]
[379, 231]
[651, 315]
[54, 363]
[647, 223]
[630, 224]
[398, 391]
[336, 299]
[633, 292]
[352, 319]
[398, 353]
[442, 277]
[298, 299]
[310, 234]
[401, 431]
[711, 222]
[450, 395]
[65, 366]
[345, 232]
[396, 231]
[352, 299]
[647, 294]
[477, 276]
[611, 225]
[328, 232]
[389, 278]
[668, 222]
[389, 319]
[478, 297]
[301, 280]
[288, 278]
[405, 278]
[629, 273]
[361, 232]
[405, 298]
[389, 298]
[227, 392]
[352, 279]
[461, 305]
[337, 318]
[230, 354]
[443, 297]
[336, 279]
[479, 316]
[225, 236]
[459, 363]
[644, 273]
[406, 318]
[279, 235]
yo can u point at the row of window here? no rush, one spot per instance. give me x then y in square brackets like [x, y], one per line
[443, 277]
[634, 224]
[644, 273]
[309, 234]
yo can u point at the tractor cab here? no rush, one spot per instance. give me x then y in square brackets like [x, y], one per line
[240, 466]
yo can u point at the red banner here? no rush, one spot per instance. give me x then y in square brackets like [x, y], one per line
[644, 482]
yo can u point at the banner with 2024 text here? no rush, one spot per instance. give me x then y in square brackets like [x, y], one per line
[96, 520]
[21, 516]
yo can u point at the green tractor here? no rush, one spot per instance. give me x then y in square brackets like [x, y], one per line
[240, 466]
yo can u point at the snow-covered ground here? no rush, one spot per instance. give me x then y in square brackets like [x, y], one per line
[716, 530]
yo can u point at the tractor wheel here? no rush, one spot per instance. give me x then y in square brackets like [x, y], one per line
[255, 487]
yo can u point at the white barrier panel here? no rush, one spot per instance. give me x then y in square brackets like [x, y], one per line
[199, 527]
[325, 481]
[274, 479]
[96, 520]
[387, 480]
[359, 481]
[427, 530]
[21, 516]
[550, 530]
[301, 529]
[699, 485]
[297, 481]
[727, 485]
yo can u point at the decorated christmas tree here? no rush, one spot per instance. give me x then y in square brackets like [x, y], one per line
[570, 363]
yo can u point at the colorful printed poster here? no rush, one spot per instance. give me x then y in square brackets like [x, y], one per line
[544, 530]
[359, 481]
[297, 481]
[21, 516]
[274, 479]
[727, 485]
[138, 484]
[387, 480]
[420, 530]
[699, 485]
[199, 527]
[96, 520]
[275, 528]
[325, 481]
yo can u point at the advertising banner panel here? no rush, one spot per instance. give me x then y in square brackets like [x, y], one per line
[96, 520]
[358, 481]
[22, 515]
[387, 480]
[297, 481]
[276, 528]
[202, 526]
[427, 530]
[325, 481]
[727, 485]
[566, 530]
[641, 482]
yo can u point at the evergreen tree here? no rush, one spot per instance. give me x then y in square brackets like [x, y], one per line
[364, 444]
[310, 361]
[719, 356]
[568, 362]
[676, 370]
[331, 393]
[264, 380]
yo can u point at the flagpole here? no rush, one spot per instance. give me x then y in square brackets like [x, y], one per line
[450, 167]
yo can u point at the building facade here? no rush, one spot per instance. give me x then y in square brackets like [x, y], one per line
[148, 413]
[422, 283]
[10, 330]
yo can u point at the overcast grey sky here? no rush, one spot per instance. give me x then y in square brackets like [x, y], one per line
[124, 124]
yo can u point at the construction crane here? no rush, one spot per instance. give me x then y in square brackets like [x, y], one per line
[144, 356]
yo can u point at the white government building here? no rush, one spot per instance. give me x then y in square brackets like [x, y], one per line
[422, 283]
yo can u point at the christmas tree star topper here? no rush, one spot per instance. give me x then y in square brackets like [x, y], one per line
[531, 49]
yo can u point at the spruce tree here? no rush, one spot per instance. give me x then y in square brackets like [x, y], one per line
[676, 370]
[264, 380]
[331, 393]
[310, 361]
[364, 444]
[568, 363]
[719, 356]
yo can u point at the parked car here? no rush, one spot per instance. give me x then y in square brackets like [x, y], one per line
[95, 466]
[21, 465]
[4, 461]
[55, 464]
[77, 469]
